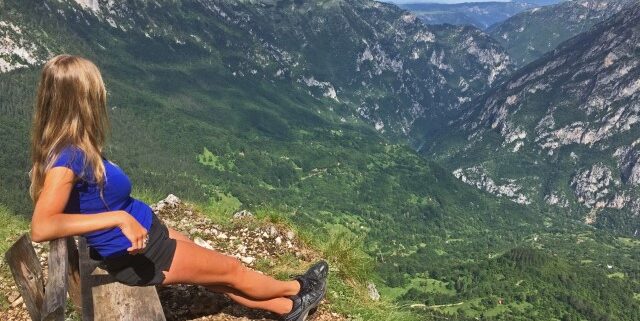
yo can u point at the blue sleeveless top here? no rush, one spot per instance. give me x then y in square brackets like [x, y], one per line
[85, 199]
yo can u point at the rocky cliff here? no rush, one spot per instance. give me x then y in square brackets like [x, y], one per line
[530, 34]
[564, 129]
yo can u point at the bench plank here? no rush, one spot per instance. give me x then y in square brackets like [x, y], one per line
[27, 272]
[74, 274]
[105, 299]
[55, 293]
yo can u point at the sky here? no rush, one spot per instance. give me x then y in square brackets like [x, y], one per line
[438, 1]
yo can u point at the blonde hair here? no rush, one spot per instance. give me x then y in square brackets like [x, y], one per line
[70, 109]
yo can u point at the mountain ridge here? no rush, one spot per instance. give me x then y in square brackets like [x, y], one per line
[572, 108]
[526, 36]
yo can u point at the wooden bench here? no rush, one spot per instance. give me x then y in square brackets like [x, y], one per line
[93, 292]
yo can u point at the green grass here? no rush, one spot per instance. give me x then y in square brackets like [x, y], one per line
[425, 284]
[11, 227]
[147, 195]
[627, 241]
[207, 158]
[220, 207]
[345, 250]
[618, 275]
[351, 268]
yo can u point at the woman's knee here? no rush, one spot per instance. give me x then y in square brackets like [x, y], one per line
[197, 265]
[233, 272]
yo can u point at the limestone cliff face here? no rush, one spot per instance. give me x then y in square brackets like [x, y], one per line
[566, 126]
[530, 34]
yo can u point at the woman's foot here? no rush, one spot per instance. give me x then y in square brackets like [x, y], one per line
[313, 286]
[316, 273]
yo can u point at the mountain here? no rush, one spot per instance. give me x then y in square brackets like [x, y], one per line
[528, 35]
[478, 14]
[293, 110]
[563, 130]
[374, 58]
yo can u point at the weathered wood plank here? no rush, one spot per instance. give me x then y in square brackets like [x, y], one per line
[74, 274]
[86, 267]
[27, 272]
[55, 292]
[105, 299]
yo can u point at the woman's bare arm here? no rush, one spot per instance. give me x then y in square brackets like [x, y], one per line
[49, 223]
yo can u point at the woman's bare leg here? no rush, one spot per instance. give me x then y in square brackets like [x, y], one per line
[177, 235]
[279, 305]
[193, 264]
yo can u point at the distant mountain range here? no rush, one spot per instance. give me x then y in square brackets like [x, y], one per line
[528, 35]
[477, 14]
[563, 130]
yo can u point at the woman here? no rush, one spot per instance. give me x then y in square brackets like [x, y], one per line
[70, 176]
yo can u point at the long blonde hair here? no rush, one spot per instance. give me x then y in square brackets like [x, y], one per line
[70, 109]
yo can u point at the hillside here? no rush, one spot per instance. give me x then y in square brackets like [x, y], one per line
[478, 14]
[530, 284]
[560, 135]
[528, 35]
[566, 125]
[375, 60]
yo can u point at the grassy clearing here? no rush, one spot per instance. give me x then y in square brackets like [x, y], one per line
[422, 283]
[208, 158]
[629, 242]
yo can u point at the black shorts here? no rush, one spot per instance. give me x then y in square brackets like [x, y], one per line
[145, 268]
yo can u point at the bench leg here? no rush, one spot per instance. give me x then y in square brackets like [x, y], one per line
[27, 272]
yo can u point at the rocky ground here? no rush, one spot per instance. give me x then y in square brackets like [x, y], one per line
[261, 246]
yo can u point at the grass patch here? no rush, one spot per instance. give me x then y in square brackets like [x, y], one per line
[420, 283]
[208, 158]
[351, 268]
[147, 195]
[618, 275]
[12, 226]
[220, 207]
[629, 241]
[343, 248]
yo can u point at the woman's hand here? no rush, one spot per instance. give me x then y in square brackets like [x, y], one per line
[135, 232]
